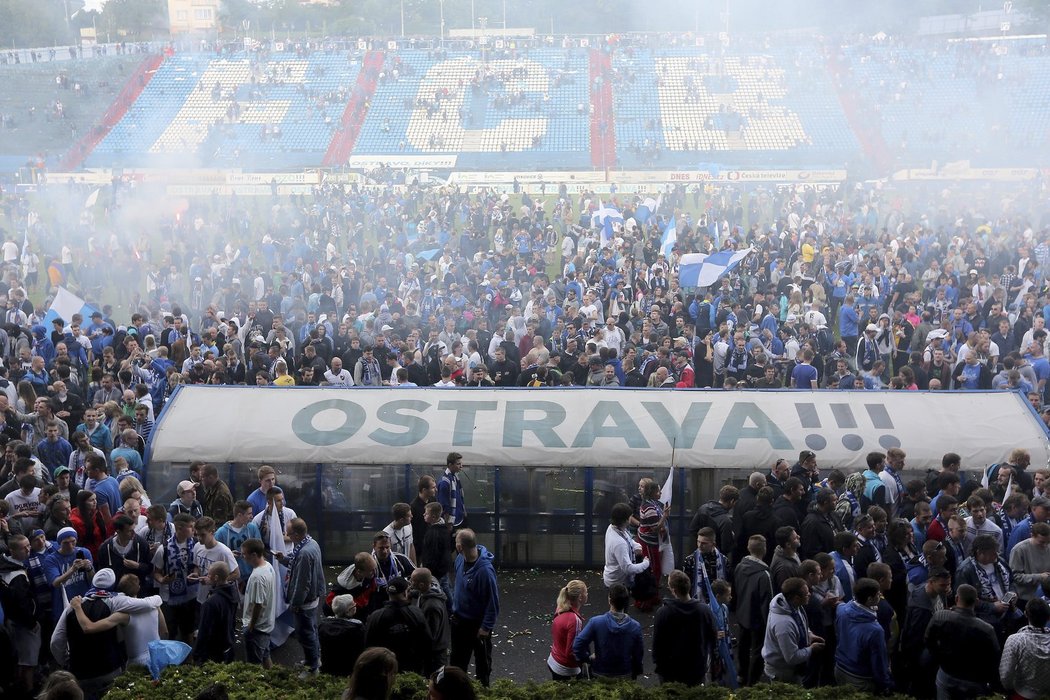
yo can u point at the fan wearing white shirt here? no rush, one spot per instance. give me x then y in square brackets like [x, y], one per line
[337, 376]
[209, 550]
[400, 531]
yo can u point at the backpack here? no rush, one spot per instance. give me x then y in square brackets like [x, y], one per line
[824, 344]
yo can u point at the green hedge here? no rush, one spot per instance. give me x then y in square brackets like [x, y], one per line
[248, 682]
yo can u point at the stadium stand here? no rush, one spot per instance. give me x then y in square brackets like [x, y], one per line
[677, 107]
[279, 110]
[45, 107]
[981, 101]
[530, 109]
[785, 102]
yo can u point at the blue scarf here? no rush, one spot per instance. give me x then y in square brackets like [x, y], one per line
[179, 559]
[702, 583]
[987, 592]
[290, 562]
[383, 577]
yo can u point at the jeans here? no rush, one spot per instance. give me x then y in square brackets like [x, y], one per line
[257, 646]
[446, 587]
[467, 643]
[951, 688]
[306, 633]
[844, 678]
[749, 655]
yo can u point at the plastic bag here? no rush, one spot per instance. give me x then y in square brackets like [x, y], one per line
[164, 653]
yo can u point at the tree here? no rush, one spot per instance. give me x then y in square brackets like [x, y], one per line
[133, 19]
[32, 23]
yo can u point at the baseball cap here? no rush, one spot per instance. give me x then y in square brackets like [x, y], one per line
[184, 486]
[62, 470]
[872, 327]
[397, 585]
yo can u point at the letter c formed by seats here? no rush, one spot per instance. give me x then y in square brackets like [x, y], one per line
[303, 422]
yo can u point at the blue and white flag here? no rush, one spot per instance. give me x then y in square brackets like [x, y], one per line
[607, 233]
[647, 209]
[65, 304]
[604, 214]
[669, 238]
[700, 270]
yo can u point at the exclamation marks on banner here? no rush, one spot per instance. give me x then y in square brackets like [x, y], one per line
[807, 414]
[846, 420]
[880, 418]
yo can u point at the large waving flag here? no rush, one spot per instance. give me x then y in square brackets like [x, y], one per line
[607, 233]
[65, 304]
[647, 209]
[700, 270]
[669, 238]
[604, 214]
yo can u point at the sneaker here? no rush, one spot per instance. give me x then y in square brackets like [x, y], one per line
[308, 673]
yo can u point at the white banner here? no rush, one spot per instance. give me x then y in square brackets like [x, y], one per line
[438, 161]
[591, 427]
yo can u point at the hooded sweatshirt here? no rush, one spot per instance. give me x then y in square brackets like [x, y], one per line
[754, 589]
[432, 604]
[787, 640]
[861, 646]
[215, 638]
[476, 597]
[1025, 664]
[683, 638]
[618, 646]
[16, 593]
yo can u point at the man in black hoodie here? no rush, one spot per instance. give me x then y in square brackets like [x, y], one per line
[759, 521]
[717, 515]
[819, 526]
[400, 627]
[754, 590]
[215, 634]
[683, 635]
[788, 509]
[746, 501]
[432, 603]
[915, 675]
[19, 603]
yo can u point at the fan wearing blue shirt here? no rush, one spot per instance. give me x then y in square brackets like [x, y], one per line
[804, 376]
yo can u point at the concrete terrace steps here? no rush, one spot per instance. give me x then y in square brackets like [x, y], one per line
[130, 92]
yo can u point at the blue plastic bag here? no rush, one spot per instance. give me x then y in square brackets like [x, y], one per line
[164, 653]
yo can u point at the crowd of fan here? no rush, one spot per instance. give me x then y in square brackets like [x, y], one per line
[84, 592]
[400, 285]
[859, 580]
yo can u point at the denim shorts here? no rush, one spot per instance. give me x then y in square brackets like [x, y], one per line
[257, 646]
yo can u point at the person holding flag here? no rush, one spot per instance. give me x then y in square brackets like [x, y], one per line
[669, 238]
[274, 523]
